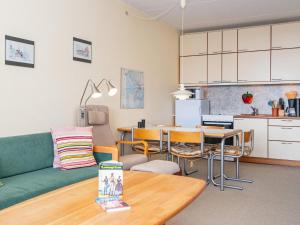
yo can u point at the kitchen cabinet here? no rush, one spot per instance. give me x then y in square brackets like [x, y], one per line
[285, 122]
[254, 66]
[284, 150]
[260, 127]
[284, 133]
[229, 68]
[230, 40]
[193, 69]
[214, 68]
[286, 35]
[193, 44]
[214, 42]
[254, 38]
[285, 65]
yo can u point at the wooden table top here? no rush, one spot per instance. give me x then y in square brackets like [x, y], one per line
[215, 133]
[154, 199]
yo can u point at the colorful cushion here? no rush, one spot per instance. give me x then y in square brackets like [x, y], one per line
[75, 149]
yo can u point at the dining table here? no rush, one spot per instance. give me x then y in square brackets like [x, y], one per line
[221, 134]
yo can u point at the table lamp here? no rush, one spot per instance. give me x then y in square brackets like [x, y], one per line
[94, 93]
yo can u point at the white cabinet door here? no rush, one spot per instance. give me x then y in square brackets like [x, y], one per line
[230, 40]
[193, 44]
[229, 68]
[284, 150]
[285, 65]
[260, 127]
[278, 133]
[214, 42]
[254, 66]
[193, 69]
[254, 38]
[286, 35]
[214, 68]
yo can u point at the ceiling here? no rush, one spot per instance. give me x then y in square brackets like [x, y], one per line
[212, 14]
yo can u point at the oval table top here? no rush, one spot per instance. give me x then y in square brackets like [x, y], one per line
[154, 199]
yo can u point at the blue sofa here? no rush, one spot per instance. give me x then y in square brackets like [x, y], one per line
[26, 167]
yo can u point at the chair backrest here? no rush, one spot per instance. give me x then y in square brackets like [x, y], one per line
[185, 137]
[147, 134]
[98, 117]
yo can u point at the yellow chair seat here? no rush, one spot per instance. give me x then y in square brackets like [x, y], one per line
[190, 150]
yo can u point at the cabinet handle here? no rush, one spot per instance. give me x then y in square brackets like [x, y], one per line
[242, 81]
[216, 81]
[217, 52]
[277, 47]
[276, 79]
[286, 120]
[202, 82]
[286, 128]
[228, 51]
[227, 81]
[286, 143]
[238, 119]
[243, 50]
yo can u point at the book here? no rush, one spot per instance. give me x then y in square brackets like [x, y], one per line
[110, 181]
[113, 205]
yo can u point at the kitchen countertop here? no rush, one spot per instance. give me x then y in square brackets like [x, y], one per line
[266, 116]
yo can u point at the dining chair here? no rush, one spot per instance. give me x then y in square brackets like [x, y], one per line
[154, 138]
[188, 146]
[244, 147]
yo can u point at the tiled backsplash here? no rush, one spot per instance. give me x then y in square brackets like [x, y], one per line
[228, 99]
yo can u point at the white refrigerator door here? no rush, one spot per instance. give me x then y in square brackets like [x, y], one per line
[188, 112]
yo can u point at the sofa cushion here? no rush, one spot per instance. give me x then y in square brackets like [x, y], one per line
[26, 153]
[157, 166]
[24, 186]
[132, 160]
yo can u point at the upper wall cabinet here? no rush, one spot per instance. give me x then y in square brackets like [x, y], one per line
[229, 68]
[230, 40]
[285, 65]
[286, 35]
[254, 38]
[214, 68]
[254, 66]
[193, 69]
[214, 42]
[193, 44]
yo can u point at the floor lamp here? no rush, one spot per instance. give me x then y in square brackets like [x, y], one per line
[95, 92]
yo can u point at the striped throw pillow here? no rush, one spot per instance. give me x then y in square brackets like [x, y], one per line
[75, 149]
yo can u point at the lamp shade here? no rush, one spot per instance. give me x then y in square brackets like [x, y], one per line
[182, 93]
[112, 90]
[95, 91]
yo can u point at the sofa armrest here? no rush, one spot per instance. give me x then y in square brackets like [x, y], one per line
[113, 150]
[135, 143]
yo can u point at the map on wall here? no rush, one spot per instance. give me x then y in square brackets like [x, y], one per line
[132, 89]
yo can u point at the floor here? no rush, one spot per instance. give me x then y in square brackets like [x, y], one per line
[273, 199]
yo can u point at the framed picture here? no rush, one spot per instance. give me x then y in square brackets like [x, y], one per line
[19, 52]
[82, 50]
[132, 89]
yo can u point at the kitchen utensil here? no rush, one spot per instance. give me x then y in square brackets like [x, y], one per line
[254, 111]
[275, 112]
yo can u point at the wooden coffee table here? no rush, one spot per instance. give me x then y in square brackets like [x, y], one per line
[154, 199]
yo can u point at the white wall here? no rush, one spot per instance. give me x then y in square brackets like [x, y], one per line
[34, 100]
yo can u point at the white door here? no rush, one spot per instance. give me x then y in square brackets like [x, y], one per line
[260, 127]
[229, 68]
[254, 66]
[284, 150]
[254, 38]
[285, 65]
[193, 44]
[214, 42]
[193, 69]
[214, 69]
[286, 35]
[230, 40]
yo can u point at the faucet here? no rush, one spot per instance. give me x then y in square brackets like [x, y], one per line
[254, 111]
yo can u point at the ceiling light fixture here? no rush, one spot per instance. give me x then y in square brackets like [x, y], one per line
[182, 93]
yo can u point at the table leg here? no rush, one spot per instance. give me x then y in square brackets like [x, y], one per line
[222, 164]
[122, 137]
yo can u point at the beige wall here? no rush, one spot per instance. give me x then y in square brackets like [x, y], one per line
[34, 100]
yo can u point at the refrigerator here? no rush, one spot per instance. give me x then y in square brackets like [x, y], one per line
[188, 112]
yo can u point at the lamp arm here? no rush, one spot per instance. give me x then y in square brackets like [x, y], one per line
[86, 86]
[99, 84]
